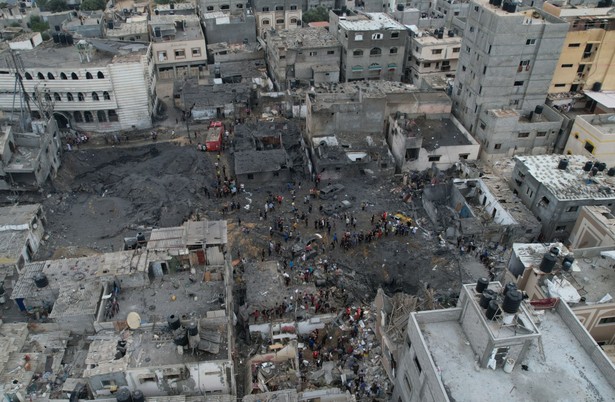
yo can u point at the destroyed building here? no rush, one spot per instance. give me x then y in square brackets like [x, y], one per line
[419, 142]
[238, 27]
[304, 56]
[28, 158]
[21, 230]
[346, 123]
[494, 337]
[554, 188]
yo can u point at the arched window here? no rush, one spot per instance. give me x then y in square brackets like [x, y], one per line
[74, 76]
[375, 51]
[34, 96]
[88, 76]
[69, 97]
[393, 50]
[28, 76]
[100, 75]
[102, 117]
[78, 117]
[50, 76]
[47, 97]
[357, 52]
[266, 22]
[63, 76]
[293, 21]
[40, 76]
[106, 96]
[57, 97]
[95, 96]
[81, 97]
[88, 117]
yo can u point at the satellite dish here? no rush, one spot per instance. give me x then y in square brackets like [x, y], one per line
[133, 320]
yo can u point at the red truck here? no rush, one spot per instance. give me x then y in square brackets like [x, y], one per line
[213, 139]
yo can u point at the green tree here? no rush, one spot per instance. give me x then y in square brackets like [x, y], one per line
[55, 6]
[37, 24]
[93, 5]
[316, 14]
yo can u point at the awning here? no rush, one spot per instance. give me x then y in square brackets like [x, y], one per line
[606, 98]
[375, 67]
[357, 68]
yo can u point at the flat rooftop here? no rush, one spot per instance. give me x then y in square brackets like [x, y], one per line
[179, 27]
[191, 233]
[304, 38]
[530, 15]
[509, 200]
[603, 122]
[439, 133]
[565, 373]
[428, 38]
[128, 28]
[370, 22]
[573, 183]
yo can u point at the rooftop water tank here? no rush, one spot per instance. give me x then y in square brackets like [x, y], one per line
[512, 301]
[547, 263]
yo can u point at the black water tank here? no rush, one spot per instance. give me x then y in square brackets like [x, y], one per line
[512, 301]
[451, 34]
[594, 170]
[597, 87]
[138, 396]
[63, 38]
[601, 166]
[510, 286]
[538, 109]
[172, 6]
[193, 329]
[56, 37]
[567, 263]
[140, 237]
[123, 395]
[547, 263]
[110, 24]
[611, 171]
[173, 322]
[181, 339]
[493, 310]
[40, 280]
[588, 166]
[157, 32]
[400, 7]
[497, 3]
[554, 250]
[563, 164]
[486, 297]
[482, 284]
[69, 39]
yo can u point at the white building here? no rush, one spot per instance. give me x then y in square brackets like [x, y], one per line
[592, 136]
[21, 231]
[88, 88]
[432, 53]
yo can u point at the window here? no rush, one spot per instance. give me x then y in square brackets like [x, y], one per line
[106, 96]
[293, 7]
[100, 75]
[559, 85]
[589, 147]
[393, 50]
[73, 76]
[88, 117]
[147, 378]
[497, 146]
[545, 201]
[434, 158]
[607, 320]
[265, 22]
[225, 7]
[78, 117]
[566, 65]
[102, 117]
[330, 51]
[69, 97]
[523, 64]
[107, 383]
[482, 125]
[357, 53]
[294, 21]
[541, 134]
[376, 51]
[313, 53]
[463, 68]
[250, 176]
[560, 228]
[63, 76]
[436, 51]
[265, 8]
[279, 21]
[239, 5]
[394, 35]
[48, 97]
[377, 36]
[358, 37]
[95, 96]
[162, 55]
[572, 209]
[57, 97]
[428, 65]
[196, 52]
[574, 45]
[210, 8]
[180, 54]
[518, 83]
[40, 76]
[112, 115]
[530, 42]
[88, 76]
[50, 76]
[418, 365]
[81, 97]
[523, 135]
[471, 29]
[456, 49]
[28, 76]
[279, 8]
[463, 156]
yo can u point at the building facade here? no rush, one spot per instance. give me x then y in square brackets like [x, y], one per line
[302, 57]
[373, 45]
[592, 136]
[595, 227]
[267, 21]
[432, 53]
[507, 61]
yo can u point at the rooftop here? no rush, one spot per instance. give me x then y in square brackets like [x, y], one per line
[191, 233]
[370, 22]
[603, 122]
[128, 28]
[530, 15]
[436, 133]
[198, 95]
[260, 161]
[304, 38]
[14, 230]
[573, 183]
[428, 38]
[176, 28]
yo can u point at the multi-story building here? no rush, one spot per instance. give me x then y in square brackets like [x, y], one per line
[493, 346]
[554, 188]
[87, 88]
[592, 135]
[178, 44]
[209, 6]
[586, 61]
[449, 9]
[373, 45]
[507, 61]
[229, 27]
[431, 53]
[303, 56]
[277, 15]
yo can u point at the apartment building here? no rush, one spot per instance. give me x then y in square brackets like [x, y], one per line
[586, 61]
[99, 86]
[592, 136]
[302, 57]
[277, 15]
[373, 45]
[178, 44]
[507, 60]
[431, 53]
[208, 6]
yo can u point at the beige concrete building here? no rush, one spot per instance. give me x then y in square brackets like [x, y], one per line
[178, 44]
[595, 227]
[586, 60]
[21, 229]
[593, 136]
[431, 53]
[267, 20]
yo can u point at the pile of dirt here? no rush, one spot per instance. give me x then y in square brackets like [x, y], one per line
[103, 195]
